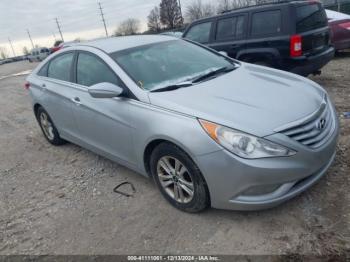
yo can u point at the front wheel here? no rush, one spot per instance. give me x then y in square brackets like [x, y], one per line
[179, 179]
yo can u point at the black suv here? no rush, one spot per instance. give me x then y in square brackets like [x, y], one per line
[290, 35]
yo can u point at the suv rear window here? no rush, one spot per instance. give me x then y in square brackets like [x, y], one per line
[267, 23]
[309, 17]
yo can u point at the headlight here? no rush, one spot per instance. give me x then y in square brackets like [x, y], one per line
[242, 144]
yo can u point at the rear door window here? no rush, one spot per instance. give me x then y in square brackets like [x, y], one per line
[230, 28]
[200, 33]
[60, 67]
[92, 70]
[267, 23]
[309, 17]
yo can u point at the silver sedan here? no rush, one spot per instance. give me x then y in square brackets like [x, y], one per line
[210, 131]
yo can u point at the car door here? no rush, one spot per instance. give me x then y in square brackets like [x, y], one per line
[55, 81]
[230, 34]
[103, 123]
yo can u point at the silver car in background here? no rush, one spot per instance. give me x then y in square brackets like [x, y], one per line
[211, 131]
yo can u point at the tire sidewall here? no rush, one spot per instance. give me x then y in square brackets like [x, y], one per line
[201, 196]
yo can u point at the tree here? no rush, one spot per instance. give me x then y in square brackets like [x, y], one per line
[3, 53]
[225, 5]
[130, 26]
[170, 14]
[154, 24]
[197, 10]
[25, 50]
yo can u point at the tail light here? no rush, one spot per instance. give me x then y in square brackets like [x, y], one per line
[26, 85]
[345, 25]
[296, 47]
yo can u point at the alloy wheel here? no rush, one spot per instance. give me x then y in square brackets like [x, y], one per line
[175, 179]
[47, 126]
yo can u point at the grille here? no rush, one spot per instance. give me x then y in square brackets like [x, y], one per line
[315, 131]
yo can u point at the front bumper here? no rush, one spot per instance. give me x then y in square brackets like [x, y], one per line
[229, 177]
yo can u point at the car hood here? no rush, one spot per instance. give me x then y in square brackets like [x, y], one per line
[252, 99]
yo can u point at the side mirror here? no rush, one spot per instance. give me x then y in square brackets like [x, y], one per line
[223, 53]
[105, 90]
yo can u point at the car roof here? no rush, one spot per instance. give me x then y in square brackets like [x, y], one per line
[115, 44]
[334, 16]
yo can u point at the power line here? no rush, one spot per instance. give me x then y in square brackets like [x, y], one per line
[103, 18]
[59, 28]
[13, 51]
[30, 38]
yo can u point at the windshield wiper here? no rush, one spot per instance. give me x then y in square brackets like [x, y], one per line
[213, 73]
[173, 87]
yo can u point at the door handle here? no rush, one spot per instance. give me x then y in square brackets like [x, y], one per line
[76, 100]
[43, 87]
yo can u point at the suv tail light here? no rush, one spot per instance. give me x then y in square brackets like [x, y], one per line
[296, 47]
[26, 85]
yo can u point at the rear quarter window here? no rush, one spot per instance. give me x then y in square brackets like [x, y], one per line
[266, 23]
[309, 17]
[60, 67]
[43, 70]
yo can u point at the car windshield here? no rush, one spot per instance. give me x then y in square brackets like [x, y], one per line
[168, 63]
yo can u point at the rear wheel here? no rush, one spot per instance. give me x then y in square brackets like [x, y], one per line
[48, 128]
[179, 179]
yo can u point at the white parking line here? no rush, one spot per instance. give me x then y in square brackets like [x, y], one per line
[27, 72]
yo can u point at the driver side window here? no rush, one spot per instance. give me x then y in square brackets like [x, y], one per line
[92, 70]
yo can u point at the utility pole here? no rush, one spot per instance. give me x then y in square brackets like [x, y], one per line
[103, 18]
[59, 28]
[13, 50]
[182, 18]
[30, 38]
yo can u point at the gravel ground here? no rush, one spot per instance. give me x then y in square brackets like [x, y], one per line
[60, 200]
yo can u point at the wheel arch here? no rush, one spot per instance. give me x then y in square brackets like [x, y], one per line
[260, 53]
[36, 108]
[152, 144]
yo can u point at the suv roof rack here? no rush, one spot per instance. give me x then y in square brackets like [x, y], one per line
[271, 2]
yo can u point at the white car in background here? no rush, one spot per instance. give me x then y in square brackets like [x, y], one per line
[38, 54]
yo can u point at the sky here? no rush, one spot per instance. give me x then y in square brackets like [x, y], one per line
[78, 19]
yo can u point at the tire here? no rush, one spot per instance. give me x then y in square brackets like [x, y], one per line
[49, 130]
[188, 178]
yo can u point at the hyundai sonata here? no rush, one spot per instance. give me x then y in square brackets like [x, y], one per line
[211, 131]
